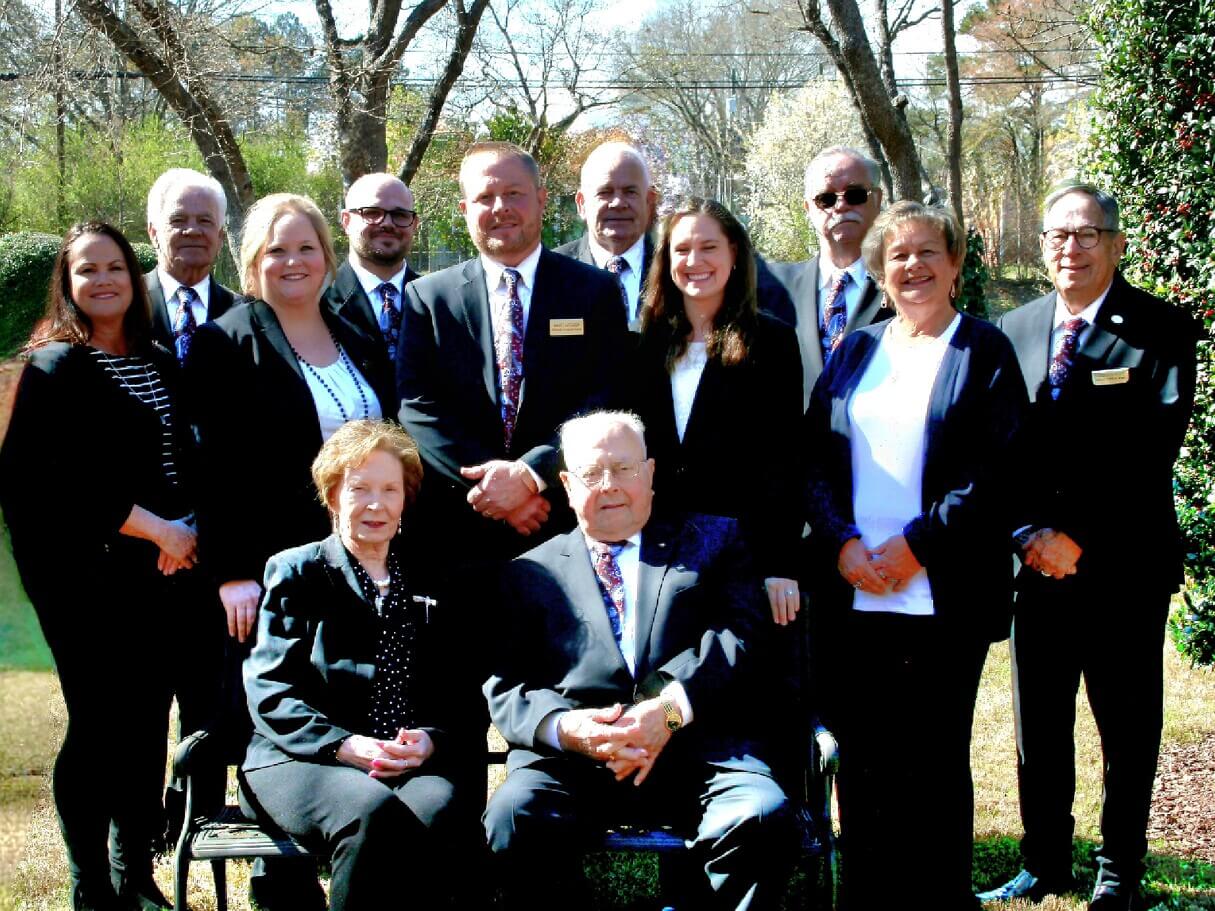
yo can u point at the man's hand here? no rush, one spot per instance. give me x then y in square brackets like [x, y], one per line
[240, 598]
[591, 732]
[501, 487]
[1052, 553]
[528, 517]
[646, 725]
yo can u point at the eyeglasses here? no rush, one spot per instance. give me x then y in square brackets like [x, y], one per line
[854, 196]
[1086, 238]
[373, 215]
[594, 475]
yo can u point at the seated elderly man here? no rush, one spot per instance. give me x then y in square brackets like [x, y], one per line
[626, 676]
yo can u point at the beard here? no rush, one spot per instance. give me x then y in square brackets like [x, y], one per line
[371, 250]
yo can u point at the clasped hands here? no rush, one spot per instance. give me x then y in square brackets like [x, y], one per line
[1052, 553]
[878, 570]
[386, 758]
[626, 741]
[507, 491]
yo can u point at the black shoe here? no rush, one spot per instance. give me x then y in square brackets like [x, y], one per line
[1114, 893]
[142, 896]
[1026, 885]
[94, 896]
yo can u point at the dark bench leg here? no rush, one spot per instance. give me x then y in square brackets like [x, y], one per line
[181, 874]
[219, 872]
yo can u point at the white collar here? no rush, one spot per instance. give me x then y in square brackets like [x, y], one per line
[169, 286]
[633, 540]
[526, 270]
[827, 272]
[634, 255]
[1088, 314]
[371, 282]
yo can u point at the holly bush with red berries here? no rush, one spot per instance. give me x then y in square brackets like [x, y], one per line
[1153, 145]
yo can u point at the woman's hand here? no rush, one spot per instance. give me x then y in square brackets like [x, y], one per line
[240, 598]
[894, 562]
[386, 758]
[857, 569]
[784, 599]
[178, 543]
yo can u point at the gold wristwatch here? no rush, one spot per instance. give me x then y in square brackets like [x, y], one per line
[673, 715]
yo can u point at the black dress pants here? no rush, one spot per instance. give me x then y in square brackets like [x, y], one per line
[904, 695]
[1112, 634]
[739, 825]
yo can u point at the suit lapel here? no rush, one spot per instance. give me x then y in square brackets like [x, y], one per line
[1034, 348]
[474, 299]
[656, 550]
[162, 328]
[350, 296]
[267, 325]
[807, 320]
[587, 597]
[871, 303]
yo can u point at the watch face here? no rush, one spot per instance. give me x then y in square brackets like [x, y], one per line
[672, 724]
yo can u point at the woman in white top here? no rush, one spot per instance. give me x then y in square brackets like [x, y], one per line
[718, 386]
[910, 431]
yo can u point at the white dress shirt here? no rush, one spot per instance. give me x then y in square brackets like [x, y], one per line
[1062, 315]
[371, 286]
[169, 286]
[853, 292]
[495, 287]
[631, 277]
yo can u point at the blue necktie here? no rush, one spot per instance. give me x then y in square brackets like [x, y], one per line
[184, 323]
[835, 315]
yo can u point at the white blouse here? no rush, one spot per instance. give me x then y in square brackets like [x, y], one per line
[888, 414]
[685, 380]
[340, 393]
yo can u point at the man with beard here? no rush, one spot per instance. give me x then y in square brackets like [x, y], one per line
[380, 220]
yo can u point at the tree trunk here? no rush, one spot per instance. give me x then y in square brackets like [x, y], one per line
[954, 147]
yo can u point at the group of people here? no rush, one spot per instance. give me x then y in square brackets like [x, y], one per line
[599, 483]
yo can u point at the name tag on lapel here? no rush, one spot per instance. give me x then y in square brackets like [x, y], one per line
[1112, 377]
[560, 327]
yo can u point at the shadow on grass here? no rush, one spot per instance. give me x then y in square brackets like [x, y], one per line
[21, 644]
[1170, 883]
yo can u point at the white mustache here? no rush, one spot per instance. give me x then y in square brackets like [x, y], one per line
[843, 217]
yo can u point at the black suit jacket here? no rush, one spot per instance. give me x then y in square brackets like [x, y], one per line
[447, 379]
[258, 432]
[975, 412]
[309, 679]
[789, 291]
[347, 298]
[726, 463]
[1099, 460]
[702, 620]
[580, 250]
[220, 301]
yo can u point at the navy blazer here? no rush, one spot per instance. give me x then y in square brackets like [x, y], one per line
[1099, 462]
[347, 298]
[258, 432]
[962, 537]
[220, 301]
[309, 679]
[702, 619]
[789, 291]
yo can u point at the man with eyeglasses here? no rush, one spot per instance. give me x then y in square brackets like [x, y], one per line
[827, 297]
[628, 677]
[369, 289]
[1110, 371]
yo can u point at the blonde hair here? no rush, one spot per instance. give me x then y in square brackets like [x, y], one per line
[349, 448]
[260, 221]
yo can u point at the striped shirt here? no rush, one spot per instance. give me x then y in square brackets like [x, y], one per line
[140, 378]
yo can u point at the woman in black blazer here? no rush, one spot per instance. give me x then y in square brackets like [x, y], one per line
[719, 387]
[268, 382]
[910, 433]
[367, 743]
[93, 486]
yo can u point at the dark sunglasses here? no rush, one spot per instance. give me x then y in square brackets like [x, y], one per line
[854, 196]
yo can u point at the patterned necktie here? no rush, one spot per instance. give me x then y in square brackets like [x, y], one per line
[835, 315]
[508, 350]
[611, 584]
[618, 265]
[390, 317]
[1065, 352]
[184, 323]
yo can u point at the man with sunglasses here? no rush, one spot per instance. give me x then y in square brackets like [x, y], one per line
[1110, 371]
[380, 220]
[827, 297]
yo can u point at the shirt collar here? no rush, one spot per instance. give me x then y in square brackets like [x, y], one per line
[1088, 314]
[827, 272]
[371, 282]
[633, 540]
[526, 270]
[169, 286]
[634, 255]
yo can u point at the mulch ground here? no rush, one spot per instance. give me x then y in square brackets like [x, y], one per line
[1183, 806]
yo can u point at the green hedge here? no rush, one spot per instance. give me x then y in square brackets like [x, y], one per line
[25, 271]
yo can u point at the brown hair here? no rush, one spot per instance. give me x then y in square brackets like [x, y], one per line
[63, 321]
[260, 221]
[350, 446]
[663, 313]
[500, 149]
[873, 248]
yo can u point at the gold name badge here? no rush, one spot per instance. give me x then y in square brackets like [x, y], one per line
[1112, 377]
[559, 327]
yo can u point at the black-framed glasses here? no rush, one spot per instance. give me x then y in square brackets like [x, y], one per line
[1086, 237]
[373, 215]
[593, 476]
[854, 196]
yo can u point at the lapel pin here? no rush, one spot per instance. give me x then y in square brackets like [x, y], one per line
[426, 602]
[1116, 319]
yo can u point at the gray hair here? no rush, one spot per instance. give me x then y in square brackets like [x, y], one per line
[179, 179]
[1108, 204]
[874, 169]
[597, 424]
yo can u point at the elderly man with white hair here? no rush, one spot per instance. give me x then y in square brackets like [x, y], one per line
[186, 211]
[616, 199]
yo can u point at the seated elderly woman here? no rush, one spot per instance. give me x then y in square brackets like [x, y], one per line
[363, 731]
[909, 430]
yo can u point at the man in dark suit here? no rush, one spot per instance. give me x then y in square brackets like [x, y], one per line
[380, 220]
[616, 200]
[827, 297]
[495, 354]
[186, 212]
[1110, 371]
[626, 676]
